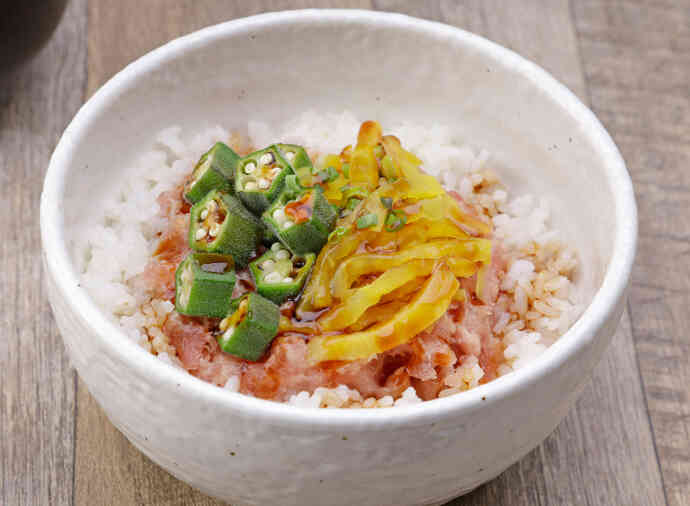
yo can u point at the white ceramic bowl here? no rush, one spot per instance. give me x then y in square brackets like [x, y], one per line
[381, 66]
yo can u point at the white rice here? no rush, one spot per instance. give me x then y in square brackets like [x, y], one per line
[537, 299]
[344, 397]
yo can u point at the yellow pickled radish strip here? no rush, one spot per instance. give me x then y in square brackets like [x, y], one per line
[420, 231]
[407, 190]
[358, 265]
[420, 313]
[408, 168]
[331, 190]
[332, 161]
[460, 295]
[431, 230]
[379, 313]
[481, 283]
[445, 206]
[404, 291]
[373, 205]
[423, 185]
[388, 168]
[393, 147]
[461, 267]
[361, 299]
[370, 134]
[346, 153]
[363, 167]
[475, 250]
[317, 293]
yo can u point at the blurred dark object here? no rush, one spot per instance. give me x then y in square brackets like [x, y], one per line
[25, 26]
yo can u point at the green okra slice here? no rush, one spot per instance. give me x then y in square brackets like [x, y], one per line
[250, 328]
[219, 223]
[215, 170]
[302, 223]
[260, 178]
[291, 189]
[204, 284]
[296, 156]
[279, 275]
[269, 237]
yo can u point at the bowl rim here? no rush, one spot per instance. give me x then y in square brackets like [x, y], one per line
[581, 333]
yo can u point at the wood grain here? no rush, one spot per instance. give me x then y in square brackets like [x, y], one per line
[637, 58]
[37, 389]
[141, 26]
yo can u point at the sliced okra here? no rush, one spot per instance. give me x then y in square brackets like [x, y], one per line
[250, 327]
[301, 163]
[302, 223]
[204, 284]
[279, 274]
[296, 156]
[269, 237]
[260, 177]
[215, 170]
[292, 187]
[219, 223]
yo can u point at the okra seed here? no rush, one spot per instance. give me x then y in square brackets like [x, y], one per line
[288, 224]
[290, 156]
[266, 158]
[249, 167]
[200, 234]
[268, 265]
[279, 215]
[211, 206]
[228, 333]
[263, 183]
[288, 279]
[214, 230]
[250, 186]
[276, 246]
[204, 214]
[186, 291]
[224, 324]
[273, 277]
[282, 255]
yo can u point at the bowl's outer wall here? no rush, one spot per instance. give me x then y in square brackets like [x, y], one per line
[270, 68]
[234, 455]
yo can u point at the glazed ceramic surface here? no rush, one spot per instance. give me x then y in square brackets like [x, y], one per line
[384, 67]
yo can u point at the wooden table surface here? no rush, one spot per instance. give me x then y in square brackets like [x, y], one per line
[627, 440]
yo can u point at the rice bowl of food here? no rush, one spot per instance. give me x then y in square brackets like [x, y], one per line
[229, 256]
